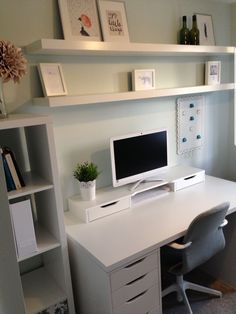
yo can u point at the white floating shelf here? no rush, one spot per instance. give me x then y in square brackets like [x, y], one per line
[40, 291]
[33, 184]
[60, 101]
[66, 47]
[45, 242]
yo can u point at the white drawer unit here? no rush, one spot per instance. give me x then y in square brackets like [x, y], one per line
[140, 304]
[133, 288]
[133, 271]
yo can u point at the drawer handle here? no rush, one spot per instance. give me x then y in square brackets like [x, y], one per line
[134, 263]
[191, 177]
[110, 204]
[137, 279]
[136, 297]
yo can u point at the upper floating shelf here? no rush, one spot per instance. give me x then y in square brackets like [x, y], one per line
[66, 47]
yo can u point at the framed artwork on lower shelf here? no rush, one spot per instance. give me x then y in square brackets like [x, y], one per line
[52, 79]
[143, 79]
[212, 72]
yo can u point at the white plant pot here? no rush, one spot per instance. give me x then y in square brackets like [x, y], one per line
[88, 190]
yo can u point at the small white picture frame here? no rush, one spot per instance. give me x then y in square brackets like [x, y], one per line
[212, 72]
[206, 31]
[143, 79]
[52, 79]
[80, 20]
[113, 21]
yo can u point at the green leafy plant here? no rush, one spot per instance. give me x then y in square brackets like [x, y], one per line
[86, 171]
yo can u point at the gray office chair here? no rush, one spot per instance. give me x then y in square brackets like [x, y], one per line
[203, 239]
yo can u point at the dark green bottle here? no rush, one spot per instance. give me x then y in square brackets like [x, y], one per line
[194, 33]
[184, 33]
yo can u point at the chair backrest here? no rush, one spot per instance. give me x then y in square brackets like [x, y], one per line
[206, 235]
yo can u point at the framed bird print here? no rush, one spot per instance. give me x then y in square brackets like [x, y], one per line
[80, 20]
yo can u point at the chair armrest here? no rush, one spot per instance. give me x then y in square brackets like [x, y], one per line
[178, 246]
[224, 223]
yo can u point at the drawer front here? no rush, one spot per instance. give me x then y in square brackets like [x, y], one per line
[185, 182]
[133, 271]
[134, 288]
[141, 304]
[108, 208]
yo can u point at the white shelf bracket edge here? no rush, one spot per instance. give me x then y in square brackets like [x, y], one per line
[234, 97]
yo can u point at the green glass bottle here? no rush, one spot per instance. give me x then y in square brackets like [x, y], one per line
[194, 33]
[184, 33]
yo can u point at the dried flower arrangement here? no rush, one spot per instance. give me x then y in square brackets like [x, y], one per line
[12, 67]
[12, 62]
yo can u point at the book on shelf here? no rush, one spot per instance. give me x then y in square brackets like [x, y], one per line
[12, 171]
[9, 180]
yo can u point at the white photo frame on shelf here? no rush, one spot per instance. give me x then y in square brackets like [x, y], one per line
[52, 79]
[143, 79]
[80, 20]
[212, 72]
[206, 31]
[113, 21]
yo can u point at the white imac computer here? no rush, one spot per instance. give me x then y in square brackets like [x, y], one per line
[138, 157]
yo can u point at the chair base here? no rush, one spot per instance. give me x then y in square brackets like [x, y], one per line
[181, 285]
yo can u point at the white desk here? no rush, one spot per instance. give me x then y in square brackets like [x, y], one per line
[108, 244]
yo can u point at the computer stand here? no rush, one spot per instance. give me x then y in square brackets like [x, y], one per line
[136, 184]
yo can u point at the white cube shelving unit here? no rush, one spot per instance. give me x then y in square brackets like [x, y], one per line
[41, 279]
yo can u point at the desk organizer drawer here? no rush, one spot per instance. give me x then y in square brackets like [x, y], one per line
[134, 288]
[187, 181]
[143, 303]
[88, 211]
[108, 208]
[133, 271]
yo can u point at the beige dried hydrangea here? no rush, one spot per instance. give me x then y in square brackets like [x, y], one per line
[12, 62]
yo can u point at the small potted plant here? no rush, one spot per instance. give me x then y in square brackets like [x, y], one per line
[86, 173]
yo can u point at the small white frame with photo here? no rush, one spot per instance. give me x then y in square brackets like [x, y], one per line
[52, 79]
[113, 21]
[206, 31]
[212, 72]
[143, 79]
[79, 20]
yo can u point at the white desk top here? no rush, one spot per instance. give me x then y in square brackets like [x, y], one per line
[119, 238]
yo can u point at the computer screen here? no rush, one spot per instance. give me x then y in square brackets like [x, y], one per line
[138, 156]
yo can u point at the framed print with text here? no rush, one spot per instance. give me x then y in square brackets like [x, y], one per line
[80, 20]
[113, 20]
[52, 79]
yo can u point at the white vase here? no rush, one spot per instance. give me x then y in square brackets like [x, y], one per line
[3, 111]
[88, 190]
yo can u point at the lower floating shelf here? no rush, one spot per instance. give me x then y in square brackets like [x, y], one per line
[40, 291]
[74, 100]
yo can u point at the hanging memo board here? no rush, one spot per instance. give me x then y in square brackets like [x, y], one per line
[190, 123]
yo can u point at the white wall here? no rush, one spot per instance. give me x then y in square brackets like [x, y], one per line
[82, 133]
